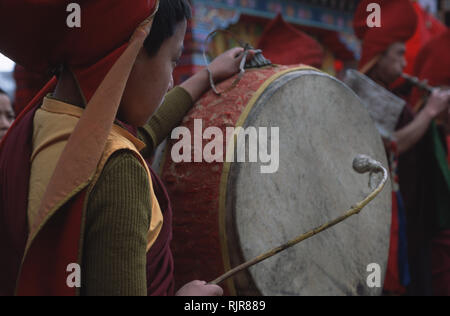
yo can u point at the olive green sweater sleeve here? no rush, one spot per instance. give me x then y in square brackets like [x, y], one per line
[117, 221]
[170, 114]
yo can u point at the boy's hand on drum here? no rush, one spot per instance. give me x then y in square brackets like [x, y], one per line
[200, 288]
[227, 64]
[223, 67]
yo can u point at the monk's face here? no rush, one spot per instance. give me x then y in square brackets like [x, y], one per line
[390, 66]
[6, 114]
[150, 79]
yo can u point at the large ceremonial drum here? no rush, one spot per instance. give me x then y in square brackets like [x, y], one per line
[226, 213]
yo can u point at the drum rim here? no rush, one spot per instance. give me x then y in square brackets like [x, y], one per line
[223, 207]
[226, 168]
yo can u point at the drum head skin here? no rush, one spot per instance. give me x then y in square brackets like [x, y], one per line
[323, 126]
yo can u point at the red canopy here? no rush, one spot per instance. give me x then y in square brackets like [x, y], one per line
[283, 44]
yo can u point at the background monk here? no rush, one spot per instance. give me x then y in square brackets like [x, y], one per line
[383, 50]
[28, 84]
[88, 195]
[433, 65]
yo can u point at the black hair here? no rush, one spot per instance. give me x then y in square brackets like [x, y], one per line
[3, 91]
[170, 13]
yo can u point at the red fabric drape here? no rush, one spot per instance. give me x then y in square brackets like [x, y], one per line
[284, 44]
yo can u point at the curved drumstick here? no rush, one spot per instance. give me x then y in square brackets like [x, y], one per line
[361, 164]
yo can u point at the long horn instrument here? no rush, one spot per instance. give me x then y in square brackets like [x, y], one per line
[421, 84]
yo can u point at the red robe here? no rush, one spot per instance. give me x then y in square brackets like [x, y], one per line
[44, 271]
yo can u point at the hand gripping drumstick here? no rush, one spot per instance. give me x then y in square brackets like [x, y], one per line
[361, 164]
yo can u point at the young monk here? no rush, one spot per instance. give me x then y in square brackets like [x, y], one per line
[91, 198]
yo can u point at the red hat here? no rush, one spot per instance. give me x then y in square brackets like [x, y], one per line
[35, 34]
[284, 44]
[433, 64]
[398, 24]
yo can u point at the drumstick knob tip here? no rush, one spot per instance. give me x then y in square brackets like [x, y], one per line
[363, 164]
